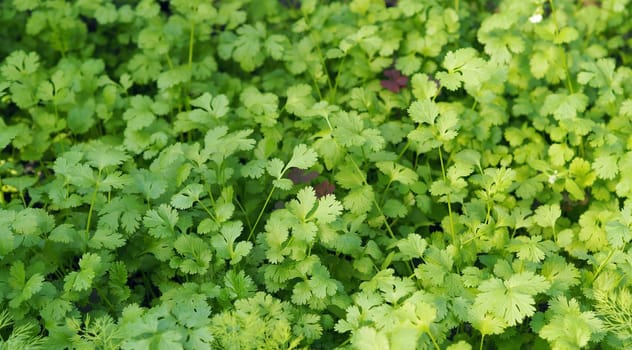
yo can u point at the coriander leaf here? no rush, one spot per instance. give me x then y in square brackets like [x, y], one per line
[187, 196]
[284, 184]
[413, 246]
[370, 339]
[605, 167]
[328, 209]
[161, 221]
[299, 100]
[217, 106]
[254, 169]
[106, 238]
[397, 172]
[510, 300]
[219, 144]
[531, 248]
[303, 157]
[148, 183]
[64, 233]
[546, 215]
[194, 254]
[275, 167]
[19, 65]
[82, 280]
[424, 111]
[224, 243]
[618, 234]
[569, 327]
[394, 208]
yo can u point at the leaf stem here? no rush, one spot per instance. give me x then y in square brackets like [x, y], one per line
[443, 173]
[319, 51]
[602, 266]
[191, 41]
[342, 62]
[434, 341]
[207, 210]
[243, 210]
[254, 227]
[92, 201]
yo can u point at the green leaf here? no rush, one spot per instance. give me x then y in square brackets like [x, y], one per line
[19, 65]
[64, 233]
[413, 246]
[397, 172]
[618, 234]
[275, 168]
[245, 47]
[225, 245]
[161, 221]
[424, 111]
[394, 208]
[370, 339]
[546, 215]
[303, 157]
[82, 280]
[187, 196]
[510, 300]
[101, 156]
[216, 107]
[299, 100]
[21, 182]
[531, 248]
[569, 327]
[141, 113]
[194, 254]
[148, 183]
[328, 209]
[7, 134]
[105, 238]
[423, 87]
[605, 166]
[563, 106]
[219, 144]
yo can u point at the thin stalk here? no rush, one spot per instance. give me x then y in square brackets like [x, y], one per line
[243, 210]
[2, 201]
[265, 205]
[377, 205]
[210, 214]
[602, 265]
[433, 340]
[451, 217]
[386, 190]
[320, 53]
[187, 87]
[92, 201]
[342, 62]
[191, 41]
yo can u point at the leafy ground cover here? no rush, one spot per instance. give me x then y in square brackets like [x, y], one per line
[285, 174]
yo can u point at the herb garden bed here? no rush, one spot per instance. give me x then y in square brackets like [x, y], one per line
[361, 174]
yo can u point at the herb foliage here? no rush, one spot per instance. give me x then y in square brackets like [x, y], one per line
[315, 174]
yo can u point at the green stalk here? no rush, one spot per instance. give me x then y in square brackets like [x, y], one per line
[320, 55]
[191, 41]
[602, 266]
[443, 172]
[92, 201]
[254, 227]
[433, 340]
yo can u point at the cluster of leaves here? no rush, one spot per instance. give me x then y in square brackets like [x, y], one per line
[274, 174]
